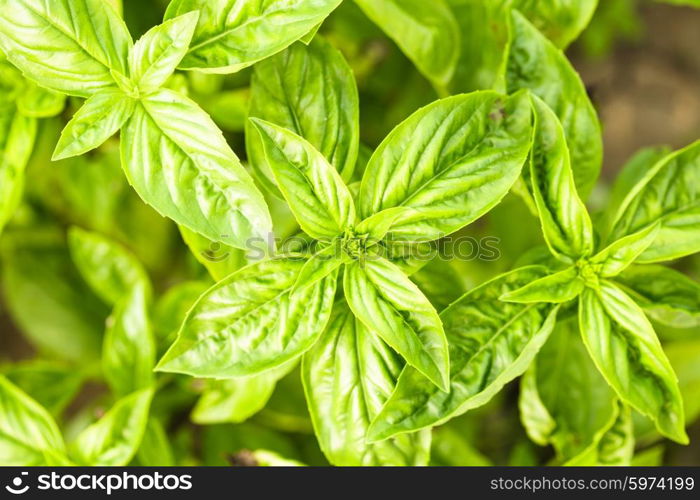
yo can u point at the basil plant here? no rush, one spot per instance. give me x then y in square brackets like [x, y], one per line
[224, 239]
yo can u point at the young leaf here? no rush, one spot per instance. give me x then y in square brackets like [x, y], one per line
[317, 195]
[71, 46]
[491, 343]
[621, 254]
[17, 133]
[128, 350]
[179, 162]
[628, 354]
[219, 259]
[560, 20]
[451, 161]
[556, 288]
[28, 434]
[535, 63]
[616, 446]
[250, 322]
[667, 296]
[235, 400]
[566, 224]
[102, 115]
[312, 92]
[573, 396]
[110, 270]
[348, 375]
[392, 307]
[113, 440]
[157, 53]
[427, 32]
[155, 450]
[320, 265]
[669, 194]
[376, 226]
[232, 35]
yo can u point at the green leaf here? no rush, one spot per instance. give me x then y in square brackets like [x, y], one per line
[627, 352]
[219, 259]
[235, 400]
[451, 162]
[111, 270]
[113, 440]
[667, 296]
[377, 225]
[249, 322]
[265, 458]
[317, 196]
[616, 446]
[684, 358]
[157, 53]
[47, 299]
[484, 33]
[17, 133]
[491, 343]
[71, 46]
[28, 434]
[562, 21]
[619, 255]
[155, 450]
[450, 447]
[667, 193]
[232, 35]
[320, 265]
[348, 375]
[309, 37]
[440, 282]
[102, 115]
[566, 224]
[563, 399]
[312, 92]
[128, 350]
[172, 307]
[38, 102]
[180, 163]
[556, 288]
[52, 384]
[392, 307]
[535, 63]
[427, 32]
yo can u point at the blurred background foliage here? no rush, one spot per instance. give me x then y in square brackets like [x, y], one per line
[641, 65]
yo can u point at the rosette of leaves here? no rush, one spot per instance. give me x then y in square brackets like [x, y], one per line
[352, 314]
[649, 225]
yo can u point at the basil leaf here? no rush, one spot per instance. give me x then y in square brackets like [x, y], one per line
[52, 384]
[627, 352]
[235, 400]
[179, 163]
[128, 350]
[155, 450]
[683, 356]
[347, 377]
[563, 399]
[451, 162]
[113, 440]
[110, 270]
[250, 322]
[556, 288]
[38, 102]
[312, 92]
[102, 115]
[619, 255]
[535, 63]
[28, 434]
[232, 35]
[17, 133]
[484, 33]
[320, 265]
[427, 32]
[668, 194]
[219, 260]
[667, 296]
[440, 282]
[491, 343]
[616, 446]
[172, 307]
[71, 46]
[376, 226]
[317, 196]
[392, 307]
[565, 222]
[562, 21]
